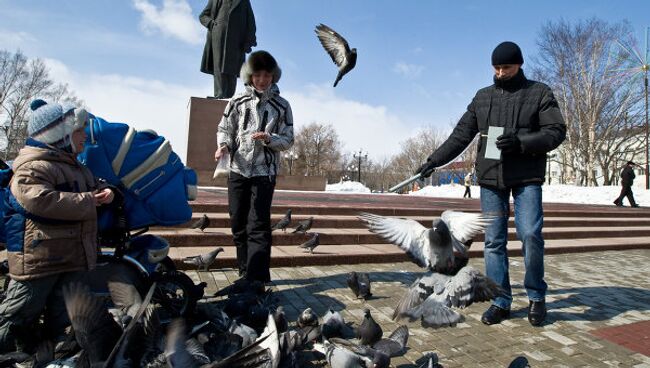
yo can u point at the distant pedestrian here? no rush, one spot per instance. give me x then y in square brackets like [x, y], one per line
[627, 179]
[468, 185]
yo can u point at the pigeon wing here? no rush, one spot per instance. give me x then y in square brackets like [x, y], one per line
[464, 226]
[469, 286]
[395, 344]
[176, 351]
[434, 313]
[335, 45]
[409, 235]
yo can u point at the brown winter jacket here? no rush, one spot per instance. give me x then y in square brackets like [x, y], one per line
[60, 230]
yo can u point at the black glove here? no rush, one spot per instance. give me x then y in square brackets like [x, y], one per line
[426, 169]
[509, 143]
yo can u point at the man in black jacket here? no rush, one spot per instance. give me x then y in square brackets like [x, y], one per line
[532, 126]
[627, 179]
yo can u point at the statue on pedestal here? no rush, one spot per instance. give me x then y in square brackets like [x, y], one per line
[231, 34]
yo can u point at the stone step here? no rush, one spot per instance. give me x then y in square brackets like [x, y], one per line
[291, 256]
[336, 236]
[222, 220]
[434, 210]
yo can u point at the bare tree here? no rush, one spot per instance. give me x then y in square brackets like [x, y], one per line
[414, 152]
[580, 62]
[21, 81]
[319, 151]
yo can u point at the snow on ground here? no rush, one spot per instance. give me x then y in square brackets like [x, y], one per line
[559, 193]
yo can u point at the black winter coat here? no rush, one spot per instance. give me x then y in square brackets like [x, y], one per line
[627, 176]
[524, 106]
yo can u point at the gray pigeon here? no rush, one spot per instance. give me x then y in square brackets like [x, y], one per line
[431, 360]
[280, 319]
[334, 325]
[432, 248]
[342, 353]
[431, 297]
[395, 344]
[311, 243]
[201, 223]
[304, 226]
[176, 350]
[283, 223]
[307, 318]
[519, 362]
[338, 49]
[359, 283]
[369, 332]
[203, 261]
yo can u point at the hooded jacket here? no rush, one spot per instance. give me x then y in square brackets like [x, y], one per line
[52, 223]
[525, 107]
[253, 112]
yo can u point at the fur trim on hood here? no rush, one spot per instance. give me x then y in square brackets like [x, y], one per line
[263, 59]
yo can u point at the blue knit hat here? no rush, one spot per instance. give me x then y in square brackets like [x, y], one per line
[54, 123]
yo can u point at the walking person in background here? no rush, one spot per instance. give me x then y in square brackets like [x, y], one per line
[256, 126]
[529, 116]
[627, 179]
[468, 185]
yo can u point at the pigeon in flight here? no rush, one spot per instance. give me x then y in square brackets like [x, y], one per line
[395, 344]
[203, 261]
[311, 243]
[359, 283]
[283, 223]
[304, 226]
[432, 248]
[431, 297]
[338, 49]
[201, 223]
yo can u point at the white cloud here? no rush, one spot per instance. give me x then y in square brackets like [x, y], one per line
[141, 103]
[15, 40]
[410, 71]
[154, 104]
[359, 125]
[173, 19]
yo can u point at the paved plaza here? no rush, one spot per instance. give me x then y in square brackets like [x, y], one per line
[599, 311]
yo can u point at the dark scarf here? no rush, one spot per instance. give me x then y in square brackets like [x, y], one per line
[513, 83]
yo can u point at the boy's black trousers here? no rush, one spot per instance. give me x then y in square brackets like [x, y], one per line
[249, 202]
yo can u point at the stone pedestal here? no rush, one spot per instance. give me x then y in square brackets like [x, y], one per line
[204, 115]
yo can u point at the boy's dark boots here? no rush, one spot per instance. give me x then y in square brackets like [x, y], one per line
[537, 312]
[495, 315]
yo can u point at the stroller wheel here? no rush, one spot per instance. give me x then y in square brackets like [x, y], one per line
[176, 293]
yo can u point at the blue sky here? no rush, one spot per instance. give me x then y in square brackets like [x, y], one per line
[419, 64]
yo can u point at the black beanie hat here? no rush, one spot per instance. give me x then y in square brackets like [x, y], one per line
[507, 53]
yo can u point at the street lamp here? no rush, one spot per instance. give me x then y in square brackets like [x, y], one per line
[360, 156]
[290, 155]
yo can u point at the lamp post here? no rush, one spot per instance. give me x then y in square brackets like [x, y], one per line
[290, 155]
[549, 157]
[360, 156]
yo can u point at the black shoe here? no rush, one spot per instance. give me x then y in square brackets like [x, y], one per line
[536, 312]
[635, 205]
[495, 315]
[618, 204]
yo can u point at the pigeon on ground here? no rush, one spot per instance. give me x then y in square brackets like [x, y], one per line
[338, 49]
[359, 283]
[280, 319]
[176, 351]
[342, 353]
[395, 344]
[201, 223]
[203, 261]
[334, 325]
[263, 353]
[94, 328]
[431, 360]
[311, 243]
[283, 223]
[519, 362]
[369, 332]
[307, 318]
[432, 248]
[431, 297]
[304, 226]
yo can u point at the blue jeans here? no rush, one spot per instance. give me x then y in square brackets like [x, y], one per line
[529, 219]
